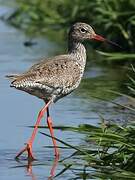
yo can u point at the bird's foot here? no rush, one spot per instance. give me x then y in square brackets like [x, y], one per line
[28, 149]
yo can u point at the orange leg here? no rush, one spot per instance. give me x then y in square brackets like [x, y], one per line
[50, 125]
[29, 144]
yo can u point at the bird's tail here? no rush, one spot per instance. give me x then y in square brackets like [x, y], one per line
[12, 76]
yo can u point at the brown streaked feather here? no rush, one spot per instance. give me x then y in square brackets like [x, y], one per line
[62, 72]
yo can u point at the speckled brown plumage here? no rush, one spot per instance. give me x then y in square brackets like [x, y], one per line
[50, 78]
[58, 76]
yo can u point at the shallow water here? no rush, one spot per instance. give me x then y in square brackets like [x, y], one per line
[19, 110]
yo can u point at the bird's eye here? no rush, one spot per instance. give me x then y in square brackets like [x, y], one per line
[83, 30]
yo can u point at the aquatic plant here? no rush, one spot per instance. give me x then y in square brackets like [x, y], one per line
[109, 147]
[115, 56]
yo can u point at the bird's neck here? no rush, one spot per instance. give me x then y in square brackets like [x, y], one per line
[78, 51]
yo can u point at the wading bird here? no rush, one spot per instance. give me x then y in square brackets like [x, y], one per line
[56, 77]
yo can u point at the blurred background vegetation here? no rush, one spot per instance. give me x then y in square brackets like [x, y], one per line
[112, 18]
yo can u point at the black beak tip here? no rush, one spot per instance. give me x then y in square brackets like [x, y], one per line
[114, 43]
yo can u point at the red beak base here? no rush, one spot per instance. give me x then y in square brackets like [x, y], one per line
[98, 38]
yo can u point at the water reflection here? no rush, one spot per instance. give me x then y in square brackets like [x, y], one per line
[30, 164]
[47, 168]
[54, 166]
[28, 167]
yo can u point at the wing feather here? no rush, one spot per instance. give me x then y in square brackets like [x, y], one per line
[60, 71]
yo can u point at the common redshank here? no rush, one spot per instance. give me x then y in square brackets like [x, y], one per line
[55, 77]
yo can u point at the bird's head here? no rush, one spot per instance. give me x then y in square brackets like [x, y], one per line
[82, 31]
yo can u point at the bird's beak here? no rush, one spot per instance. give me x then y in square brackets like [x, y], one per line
[100, 38]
